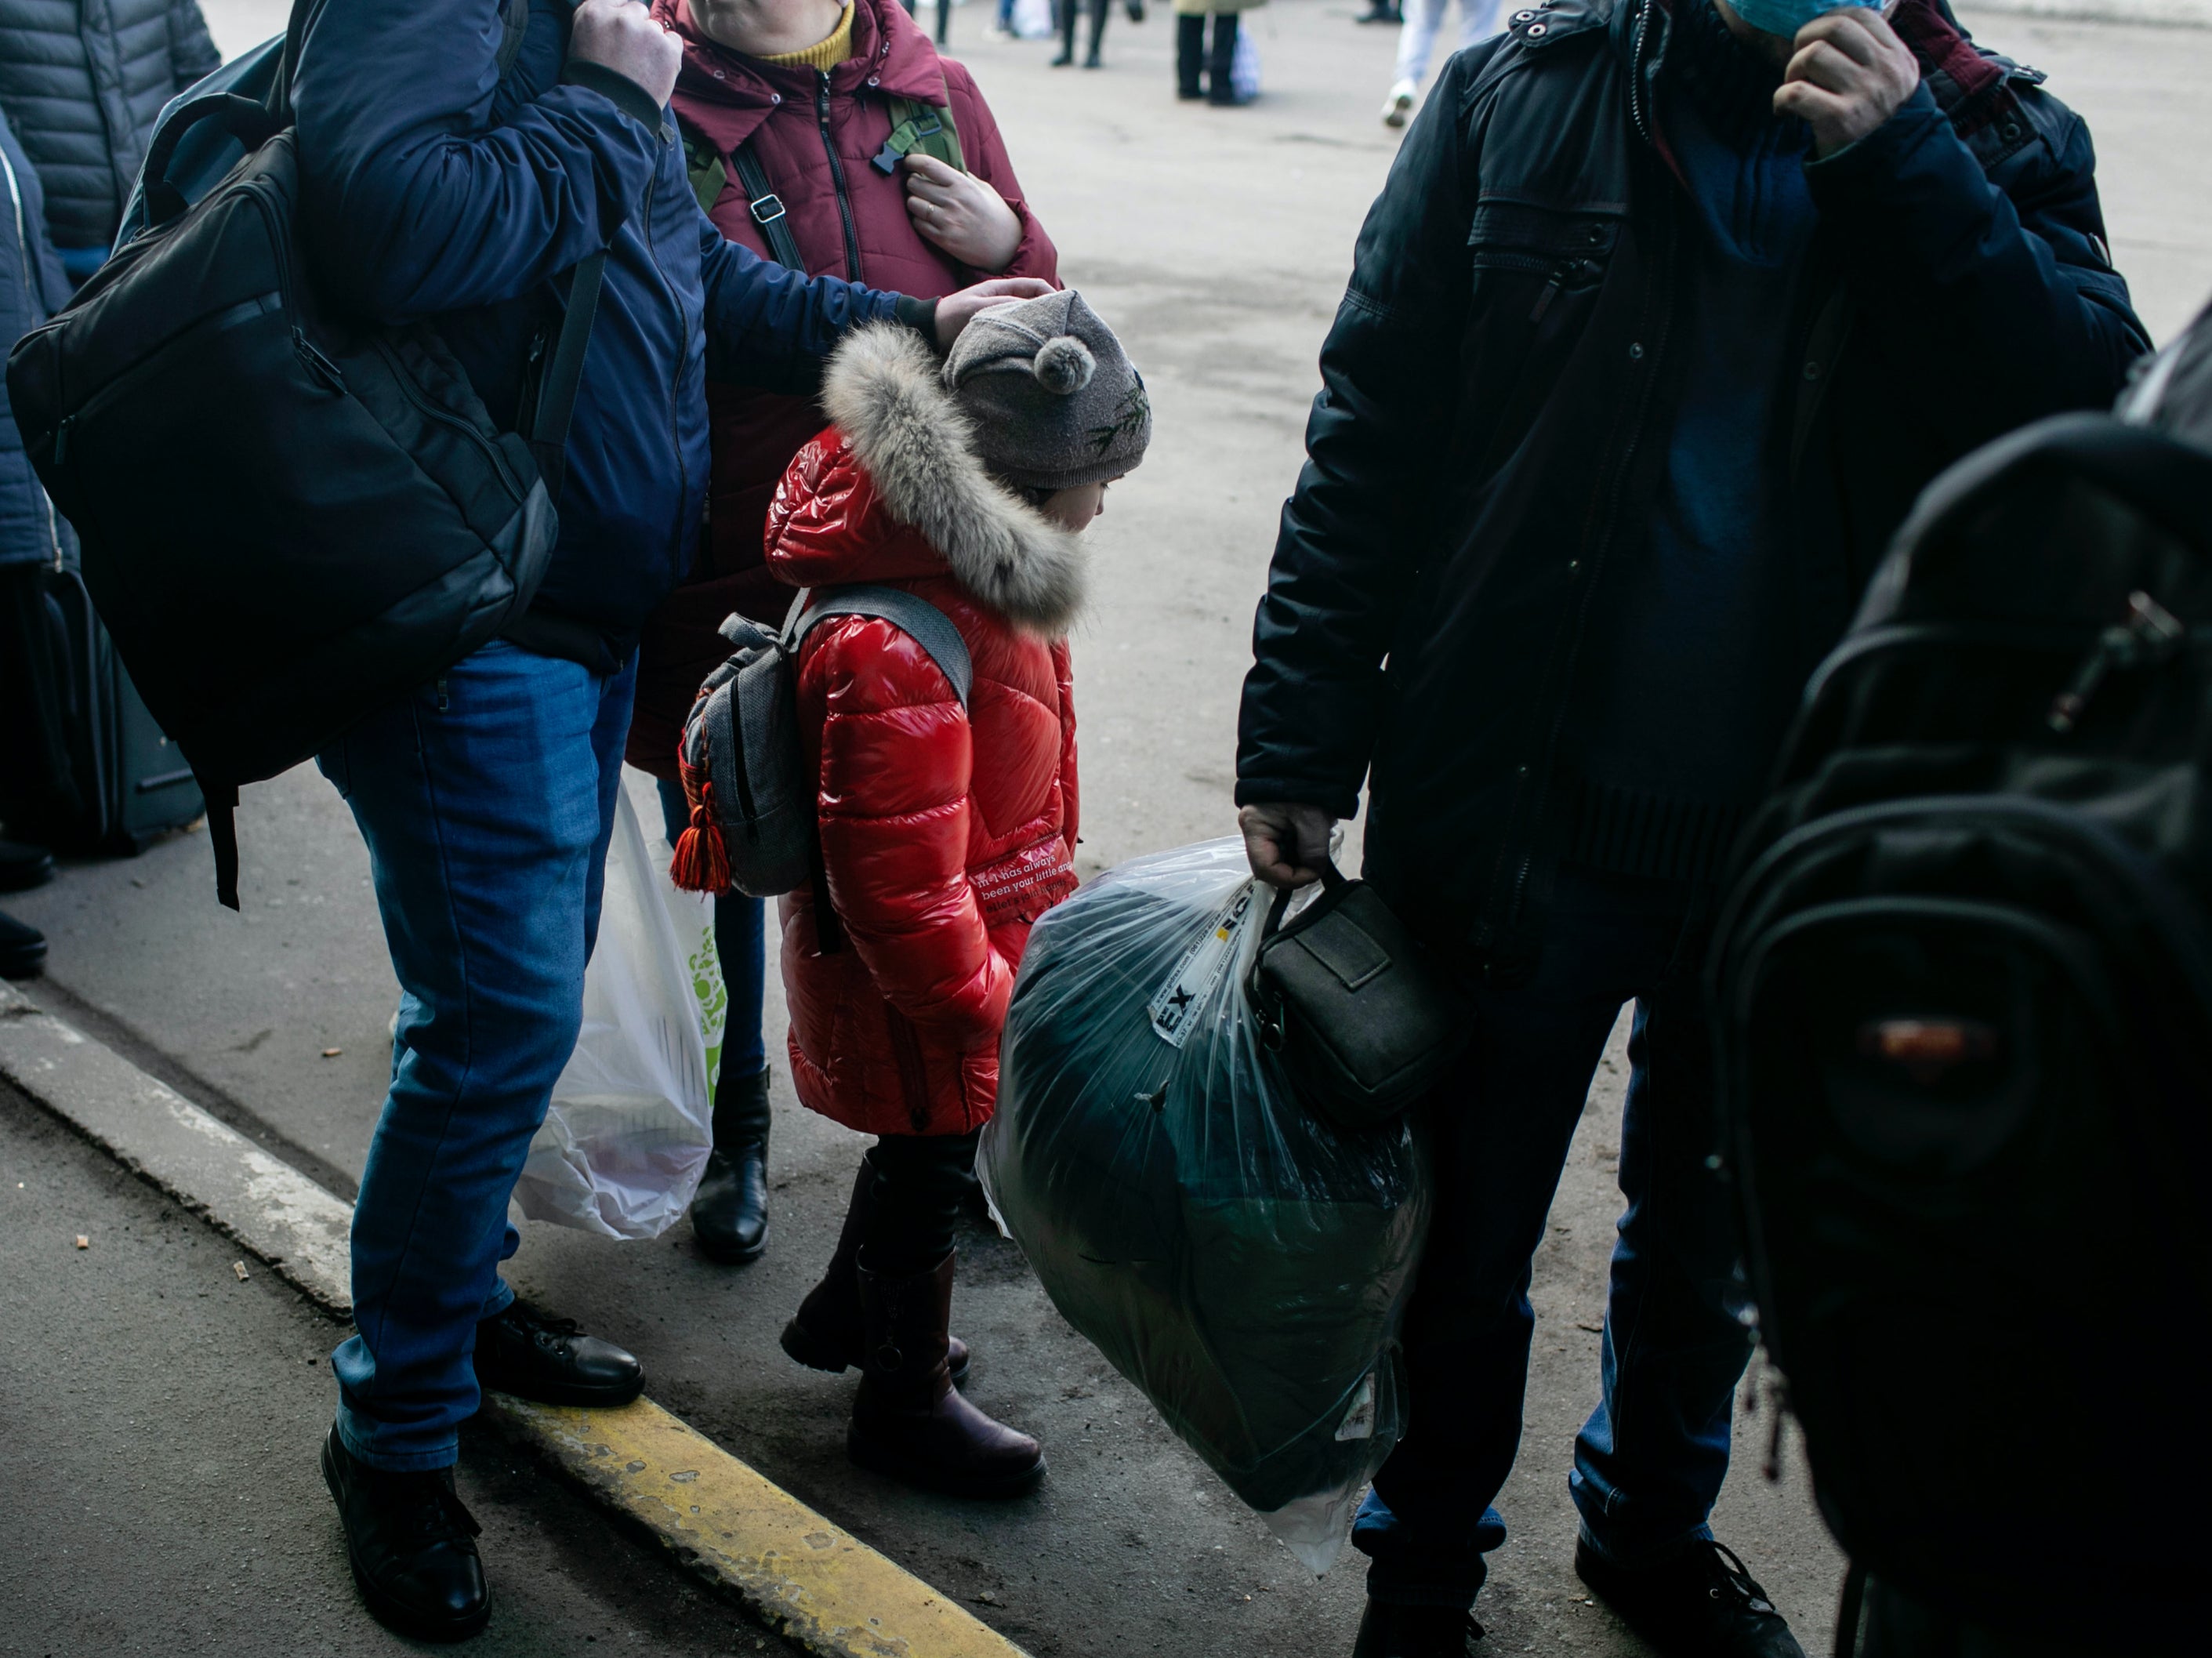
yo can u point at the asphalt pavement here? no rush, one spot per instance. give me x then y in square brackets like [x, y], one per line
[154, 1405]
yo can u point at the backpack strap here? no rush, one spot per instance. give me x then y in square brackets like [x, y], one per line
[921, 621]
[548, 436]
[910, 613]
[767, 209]
[919, 129]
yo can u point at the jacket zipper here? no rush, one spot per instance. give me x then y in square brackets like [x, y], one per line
[682, 351]
[836, 175]
[1538, 779]
[417, 396]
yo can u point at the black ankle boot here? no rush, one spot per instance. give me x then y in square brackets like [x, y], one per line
[411, 1544]
[825, 1334]
[23, 868]
[1221, 62]
[1190, 56]
[1698, 1602]
[909, 1420]
[523, 1353]
[1387, 1631]
[23, 949]
[729, 1213]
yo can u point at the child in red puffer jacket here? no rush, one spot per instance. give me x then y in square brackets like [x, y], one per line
[946, 830]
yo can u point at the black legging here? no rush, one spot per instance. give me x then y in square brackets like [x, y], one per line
[921, 1181]
[39, 796]
[1192, 60]
[1068, 11]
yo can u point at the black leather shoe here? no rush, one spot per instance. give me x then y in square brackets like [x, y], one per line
[532, 1357]
[1395, 1632]
[23, 868]
[729, 1212]
[1697, 1603]
[412, 1546]
[23, 949]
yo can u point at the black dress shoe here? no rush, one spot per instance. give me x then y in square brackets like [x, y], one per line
[23, 868]
[1697, 1603]
[729, 1212]
[532, 1357]
[412, 1546]
[22, 949]
[1393, 1631]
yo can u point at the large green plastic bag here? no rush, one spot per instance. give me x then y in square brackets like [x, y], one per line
[1242, 1262]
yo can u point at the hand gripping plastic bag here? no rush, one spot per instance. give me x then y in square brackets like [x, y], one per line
[626, 1139]
[1242, 1262]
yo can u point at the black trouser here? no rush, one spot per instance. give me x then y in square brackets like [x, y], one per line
[1192, 59]
[1067, 13]
[921, 1181]
[944, 17]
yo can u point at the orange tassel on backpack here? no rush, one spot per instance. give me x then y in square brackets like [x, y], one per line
[701, 863]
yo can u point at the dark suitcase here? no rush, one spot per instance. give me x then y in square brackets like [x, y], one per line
[132, 781]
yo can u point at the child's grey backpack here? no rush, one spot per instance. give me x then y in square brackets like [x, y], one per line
[752, 803]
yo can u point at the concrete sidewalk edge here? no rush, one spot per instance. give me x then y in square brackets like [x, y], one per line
[809, 1579]
[278, 1213]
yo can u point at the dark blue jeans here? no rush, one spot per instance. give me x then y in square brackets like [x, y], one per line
[740, 928]
[487, 800]
[1651, 1459]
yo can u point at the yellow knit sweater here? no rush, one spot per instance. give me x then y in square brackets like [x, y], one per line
[825, 55]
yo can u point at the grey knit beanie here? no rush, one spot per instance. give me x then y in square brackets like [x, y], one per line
[1054, 399]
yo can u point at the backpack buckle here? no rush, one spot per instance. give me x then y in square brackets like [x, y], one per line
[767, 210]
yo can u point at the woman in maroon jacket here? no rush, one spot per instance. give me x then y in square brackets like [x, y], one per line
[805, 88]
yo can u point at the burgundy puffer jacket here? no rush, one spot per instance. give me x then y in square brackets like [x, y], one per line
[824, 179]
[945, 832]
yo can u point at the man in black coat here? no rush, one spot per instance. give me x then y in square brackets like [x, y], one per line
[82, 80]
[1667, 311]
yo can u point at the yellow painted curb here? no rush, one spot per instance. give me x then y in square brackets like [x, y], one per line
[814, 1582]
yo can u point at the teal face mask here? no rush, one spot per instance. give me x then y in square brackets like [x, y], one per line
[1786, 17]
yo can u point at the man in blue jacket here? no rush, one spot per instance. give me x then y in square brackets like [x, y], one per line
[436, 185]
[1667, 311]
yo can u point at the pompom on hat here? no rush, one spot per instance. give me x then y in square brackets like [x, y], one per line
[1054, 399]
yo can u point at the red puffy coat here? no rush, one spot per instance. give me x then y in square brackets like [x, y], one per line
[728, 99]
[944, 833]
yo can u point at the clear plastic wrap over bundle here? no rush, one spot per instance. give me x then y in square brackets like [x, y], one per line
[1243, 1263]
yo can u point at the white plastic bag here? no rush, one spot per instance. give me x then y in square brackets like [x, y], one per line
[1245, 68]
[1242, 1262]
[1033, 19]
[627, 1138]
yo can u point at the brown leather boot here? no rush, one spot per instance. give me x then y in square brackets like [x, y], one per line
[824, 1333]
[908, 1421]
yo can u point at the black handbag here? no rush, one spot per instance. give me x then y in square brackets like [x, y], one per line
[1363, 1021]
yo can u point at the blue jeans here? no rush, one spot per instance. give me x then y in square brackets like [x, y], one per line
[1649, 1462]
[741, 942]
[486, 799]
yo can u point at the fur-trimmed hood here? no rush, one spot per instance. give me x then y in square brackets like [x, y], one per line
[883, 391]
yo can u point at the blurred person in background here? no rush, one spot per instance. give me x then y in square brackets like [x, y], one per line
[1477, 20]
[1207, 68]
[809, 92]
[82, 81]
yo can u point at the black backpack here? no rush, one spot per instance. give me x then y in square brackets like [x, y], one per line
[1962, 986]
[288, 518]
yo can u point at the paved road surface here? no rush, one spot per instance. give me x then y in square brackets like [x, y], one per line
[1217, 241]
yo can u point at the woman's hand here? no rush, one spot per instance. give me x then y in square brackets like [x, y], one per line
[961, 213]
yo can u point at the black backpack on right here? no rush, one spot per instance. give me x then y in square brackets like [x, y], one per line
[1962, 987]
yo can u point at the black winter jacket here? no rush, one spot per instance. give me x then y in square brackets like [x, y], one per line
[1495, 409]
[31, 289]
[82, 80]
